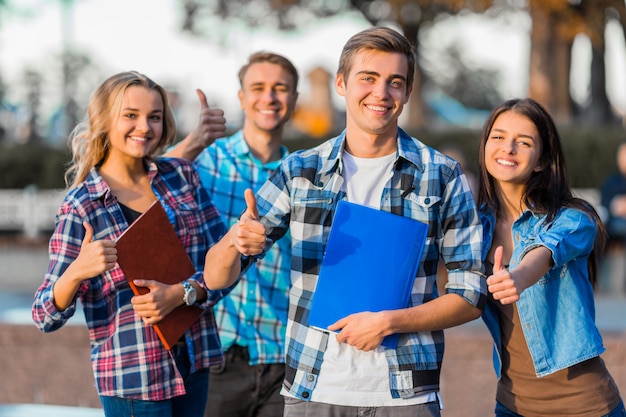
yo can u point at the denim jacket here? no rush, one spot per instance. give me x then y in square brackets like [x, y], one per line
[557, 313]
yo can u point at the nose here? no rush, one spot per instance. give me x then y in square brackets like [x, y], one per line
[509, 146]
[142, 124]
[381, 90]
[269, 95]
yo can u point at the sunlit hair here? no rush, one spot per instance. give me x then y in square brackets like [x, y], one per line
[378, 39]
[90, 139]
[547, 190]
[271, 58]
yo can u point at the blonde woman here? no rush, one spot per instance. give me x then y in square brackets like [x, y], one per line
[114, 177]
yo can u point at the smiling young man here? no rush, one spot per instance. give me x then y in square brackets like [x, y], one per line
[346, 371]
[253, 317]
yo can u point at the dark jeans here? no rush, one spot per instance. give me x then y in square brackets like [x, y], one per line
[240, 390]
[189, 405]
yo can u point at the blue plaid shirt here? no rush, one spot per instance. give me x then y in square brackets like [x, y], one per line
[254, 314]
[427, 186]
[128, 358]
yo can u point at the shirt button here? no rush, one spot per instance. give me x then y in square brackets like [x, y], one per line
[427, 200]
[305, 394]
[310, 377]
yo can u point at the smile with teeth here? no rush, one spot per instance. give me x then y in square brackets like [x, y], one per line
[376, 108]
[506, 163]
[138, 138]
[268, 112]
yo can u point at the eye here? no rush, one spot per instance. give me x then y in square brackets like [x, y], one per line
[397, 83]
[525, 143]
[129, 115]
[496, 137]
[156, 117]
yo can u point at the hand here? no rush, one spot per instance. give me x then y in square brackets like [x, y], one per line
[211, 125]
[501, 284]
[160, 300]
[248, 234]
[364, 331]
[95, 257]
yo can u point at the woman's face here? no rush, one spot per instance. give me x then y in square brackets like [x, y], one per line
[137, 130]
[513, 149]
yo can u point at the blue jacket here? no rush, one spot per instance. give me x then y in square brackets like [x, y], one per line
[557, 312]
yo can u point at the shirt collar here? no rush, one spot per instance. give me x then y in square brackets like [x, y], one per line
[241, 149]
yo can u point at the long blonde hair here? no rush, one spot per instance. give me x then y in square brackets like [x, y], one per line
[90, 139]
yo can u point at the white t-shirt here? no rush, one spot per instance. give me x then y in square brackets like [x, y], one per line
[349, 376]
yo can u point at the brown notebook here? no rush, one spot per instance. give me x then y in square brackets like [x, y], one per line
[150, 249]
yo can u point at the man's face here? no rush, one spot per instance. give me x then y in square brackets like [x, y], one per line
[375, 92]
[267, 97]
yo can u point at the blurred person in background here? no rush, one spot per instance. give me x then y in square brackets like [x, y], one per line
[253, 317]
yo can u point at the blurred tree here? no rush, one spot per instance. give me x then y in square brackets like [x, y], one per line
[555, 25]
[410, 15]
[32, 80]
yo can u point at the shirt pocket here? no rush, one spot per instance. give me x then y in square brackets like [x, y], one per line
[189, 228]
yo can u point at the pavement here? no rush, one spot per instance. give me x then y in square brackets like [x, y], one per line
[51, 374]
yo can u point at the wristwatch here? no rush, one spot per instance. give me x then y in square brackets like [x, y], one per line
[190, 293]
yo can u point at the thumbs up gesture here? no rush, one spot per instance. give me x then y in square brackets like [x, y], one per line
[501, 284]
[211, 124]
[95, 257]
[248, 234]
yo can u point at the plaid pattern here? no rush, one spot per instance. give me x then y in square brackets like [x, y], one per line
[254, 314]
[427, 186]
[127, 356]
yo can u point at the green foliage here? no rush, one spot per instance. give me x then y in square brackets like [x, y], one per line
[590, 156]
[33, 163]
[589, 153]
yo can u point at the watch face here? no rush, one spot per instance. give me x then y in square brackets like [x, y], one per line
[190, 294]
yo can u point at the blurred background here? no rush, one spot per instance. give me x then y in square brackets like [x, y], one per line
[570, 55]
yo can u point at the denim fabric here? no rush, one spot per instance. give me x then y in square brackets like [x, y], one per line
[561, 302]
[189, 405]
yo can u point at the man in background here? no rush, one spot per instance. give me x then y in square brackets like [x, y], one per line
[253, 317]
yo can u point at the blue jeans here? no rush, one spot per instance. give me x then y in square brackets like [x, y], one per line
[189, 405]
[502, 411]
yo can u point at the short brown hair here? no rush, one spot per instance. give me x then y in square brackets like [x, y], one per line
[272, 58]
[378, 39]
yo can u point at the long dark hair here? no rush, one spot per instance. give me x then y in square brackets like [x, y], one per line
[547, 190]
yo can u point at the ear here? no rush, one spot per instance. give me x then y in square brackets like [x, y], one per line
[240, 96]
[408, 95]
[340, 86]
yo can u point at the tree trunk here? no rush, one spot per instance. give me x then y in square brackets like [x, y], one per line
[550, 58]
[416, 107]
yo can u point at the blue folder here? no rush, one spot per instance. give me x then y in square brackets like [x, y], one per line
[370, 263]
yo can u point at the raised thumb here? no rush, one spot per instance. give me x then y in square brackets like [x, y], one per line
[204, 104]
[88, 234]
[251, 207]
[497, 259]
